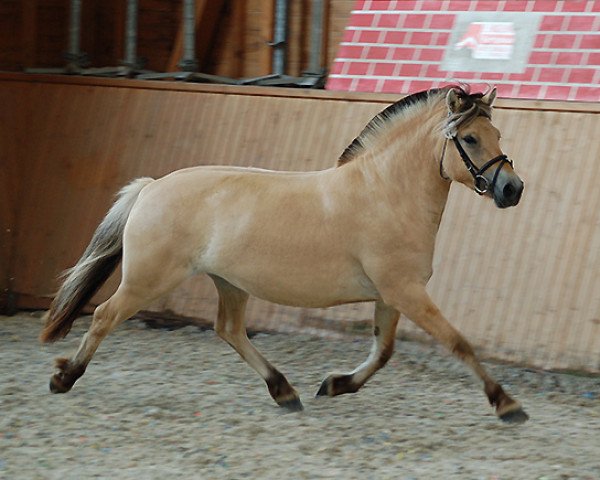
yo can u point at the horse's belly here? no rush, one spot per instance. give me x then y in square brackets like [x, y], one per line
[304, 288]
[300, 296]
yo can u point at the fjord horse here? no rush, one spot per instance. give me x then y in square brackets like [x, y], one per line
[362, 231]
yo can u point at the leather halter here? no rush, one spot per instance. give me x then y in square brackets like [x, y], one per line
[481, 184]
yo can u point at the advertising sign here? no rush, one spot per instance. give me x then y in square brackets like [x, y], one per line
[489, 40]
[498, 42]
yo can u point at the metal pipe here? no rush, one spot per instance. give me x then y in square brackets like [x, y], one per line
[280, 32]
[131, 24]
[74, 52]
[316, 37]
[188, 61]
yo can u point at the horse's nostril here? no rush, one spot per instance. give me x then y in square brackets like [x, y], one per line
[509, 191]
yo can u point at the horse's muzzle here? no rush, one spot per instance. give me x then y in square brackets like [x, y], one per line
[508, 191]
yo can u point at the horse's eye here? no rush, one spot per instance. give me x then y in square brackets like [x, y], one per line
[471, 140]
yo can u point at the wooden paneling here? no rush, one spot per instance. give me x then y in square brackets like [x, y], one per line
[521, 283]
[298, 37]
[227, 57]
[10, 181]
[32, 33]
[158, 23]
[13, 47]
[103, 33]
[258, 33]
[51, 32]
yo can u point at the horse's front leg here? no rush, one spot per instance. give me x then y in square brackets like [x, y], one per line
[416, 304]
[384, 334]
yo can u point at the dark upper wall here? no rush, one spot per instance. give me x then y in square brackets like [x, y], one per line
[34, 33]
[233, 41]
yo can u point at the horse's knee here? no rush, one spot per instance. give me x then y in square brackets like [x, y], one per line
[109, 315]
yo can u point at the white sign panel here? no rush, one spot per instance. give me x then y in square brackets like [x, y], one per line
[491, 42]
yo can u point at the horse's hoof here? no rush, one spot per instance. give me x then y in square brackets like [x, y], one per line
[337, 384]
[292, 405]
[323, 390]
[63, 380]
[57, 386]
[515, 416]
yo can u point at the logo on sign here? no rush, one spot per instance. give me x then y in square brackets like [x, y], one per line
[488, 40]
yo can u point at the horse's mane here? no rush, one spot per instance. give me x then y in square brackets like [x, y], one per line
[471, 106]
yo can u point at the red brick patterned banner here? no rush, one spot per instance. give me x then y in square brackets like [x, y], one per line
[535, 49]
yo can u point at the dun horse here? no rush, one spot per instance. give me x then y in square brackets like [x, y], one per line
[362, 231]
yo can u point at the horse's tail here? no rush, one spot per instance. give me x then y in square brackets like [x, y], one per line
[99, 260]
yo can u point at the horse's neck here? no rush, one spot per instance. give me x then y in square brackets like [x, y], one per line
[404, 166]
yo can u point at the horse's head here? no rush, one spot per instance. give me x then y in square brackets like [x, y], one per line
[472, 154]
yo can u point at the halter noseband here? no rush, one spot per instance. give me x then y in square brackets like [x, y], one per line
[481, 184]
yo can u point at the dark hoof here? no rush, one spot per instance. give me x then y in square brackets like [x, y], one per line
[67, 375]
[323, 390]
[291, 405]
[57, 385]
[515, 416]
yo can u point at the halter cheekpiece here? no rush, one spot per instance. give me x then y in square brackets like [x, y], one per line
[481, 184]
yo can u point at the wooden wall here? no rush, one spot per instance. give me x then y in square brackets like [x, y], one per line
[34, 33]
[521, 283]
[232, 38]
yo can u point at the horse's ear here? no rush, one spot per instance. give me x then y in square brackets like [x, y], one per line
[453, 100]
[489, 97]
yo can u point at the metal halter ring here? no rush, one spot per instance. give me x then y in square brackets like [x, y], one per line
[481, 184]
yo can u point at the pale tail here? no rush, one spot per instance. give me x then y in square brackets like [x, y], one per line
[99, 260]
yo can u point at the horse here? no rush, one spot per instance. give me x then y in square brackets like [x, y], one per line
[363, 230]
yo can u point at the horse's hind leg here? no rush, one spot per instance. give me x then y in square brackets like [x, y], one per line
[384, 335]
[107, 317]
[143, 281]
[230, 327]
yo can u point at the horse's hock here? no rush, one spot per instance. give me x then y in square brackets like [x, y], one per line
[520, 284]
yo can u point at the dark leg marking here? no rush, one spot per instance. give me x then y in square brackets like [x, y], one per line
[384, 328]
[67, 375]
[338, 385]
[345, 383]
[386, 354]
[282, 392]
